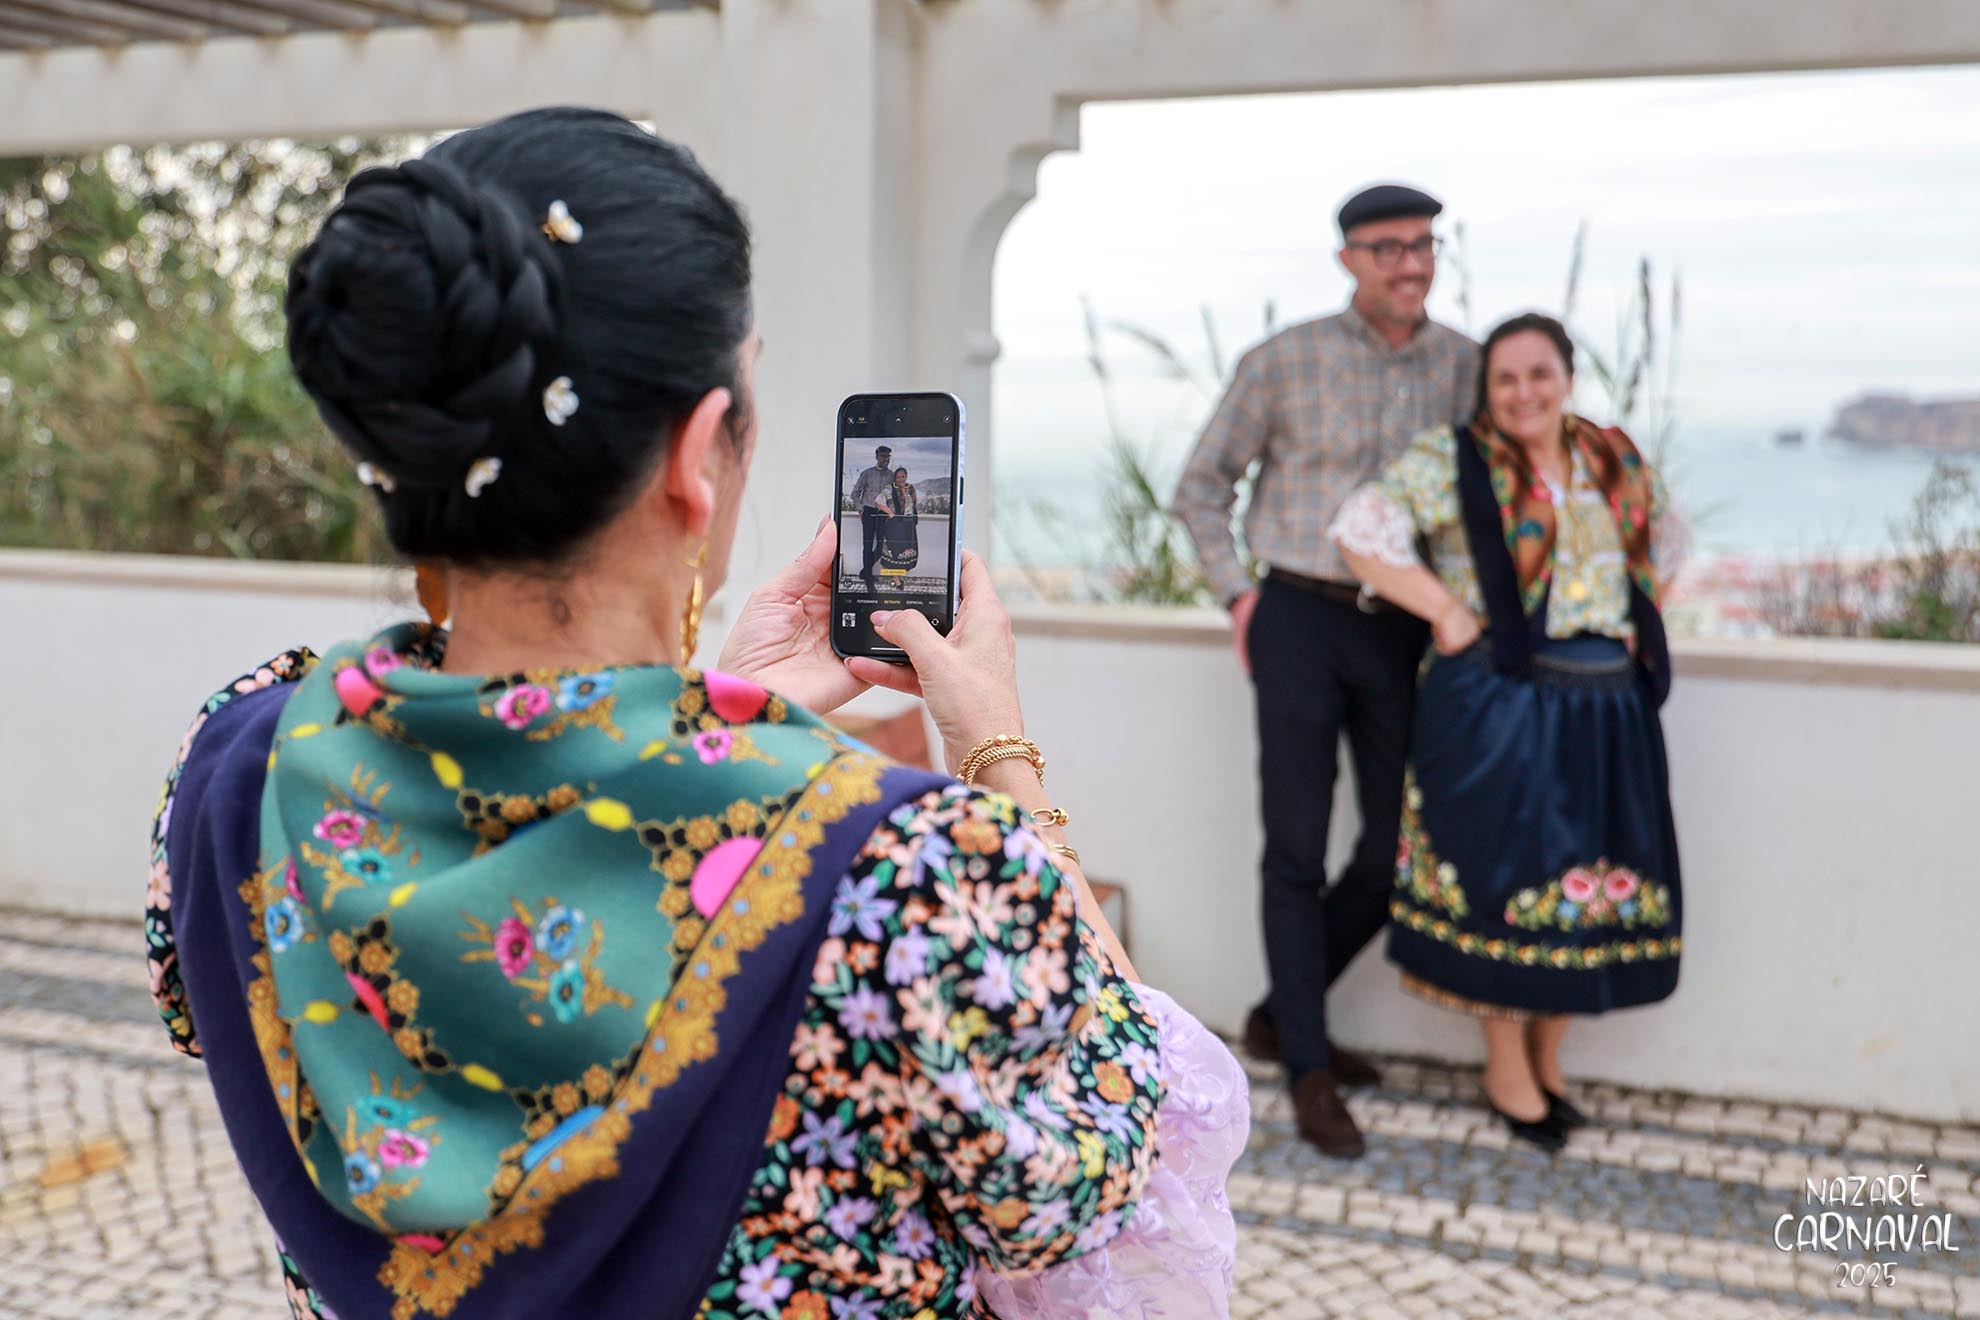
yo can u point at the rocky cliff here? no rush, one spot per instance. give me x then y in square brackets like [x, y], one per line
[1898, 420]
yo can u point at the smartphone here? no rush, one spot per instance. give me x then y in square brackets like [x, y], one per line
[898, 489]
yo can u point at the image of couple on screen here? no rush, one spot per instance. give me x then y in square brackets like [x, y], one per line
[889, 518]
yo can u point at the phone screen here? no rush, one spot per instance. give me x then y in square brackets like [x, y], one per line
[899, 497]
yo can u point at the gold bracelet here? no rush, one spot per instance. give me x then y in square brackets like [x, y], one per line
[1052, 816]
[982, 759]
[1001, 747]
[1071, 852]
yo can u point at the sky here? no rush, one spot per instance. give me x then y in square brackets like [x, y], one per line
[1825, 227]
[925, 457]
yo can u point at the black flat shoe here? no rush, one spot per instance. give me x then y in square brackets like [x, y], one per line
[1542, 1133]
[1563, 1114]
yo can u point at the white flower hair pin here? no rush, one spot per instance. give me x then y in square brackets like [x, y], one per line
[373, 475]
[481, 476]
[560, 401]
[559, 226]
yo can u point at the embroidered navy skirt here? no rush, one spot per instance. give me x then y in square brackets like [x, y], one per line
[1537, 868]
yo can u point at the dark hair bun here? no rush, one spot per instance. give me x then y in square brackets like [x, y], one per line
[421, 318]
[432, 312]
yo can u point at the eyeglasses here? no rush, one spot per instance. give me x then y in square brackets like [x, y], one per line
[1389, 251]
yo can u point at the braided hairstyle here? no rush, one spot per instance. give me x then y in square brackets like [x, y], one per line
[432, 311]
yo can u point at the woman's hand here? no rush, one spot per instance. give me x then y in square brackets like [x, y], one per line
[969, 678]
[783, 637]
[1455, 629]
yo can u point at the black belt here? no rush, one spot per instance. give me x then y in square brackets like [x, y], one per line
[1343, 593]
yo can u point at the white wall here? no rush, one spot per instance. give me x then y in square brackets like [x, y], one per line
[105, 659]
[1824, 795]
[1826, 815]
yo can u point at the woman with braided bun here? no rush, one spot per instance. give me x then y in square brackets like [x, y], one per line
[539, 973]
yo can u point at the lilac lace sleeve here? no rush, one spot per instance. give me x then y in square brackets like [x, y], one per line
[1175, 1252]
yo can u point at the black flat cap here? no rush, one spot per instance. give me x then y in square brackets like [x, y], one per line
[1386, 201]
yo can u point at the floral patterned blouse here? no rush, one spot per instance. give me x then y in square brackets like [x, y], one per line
[971, 1082]
[1417, 495]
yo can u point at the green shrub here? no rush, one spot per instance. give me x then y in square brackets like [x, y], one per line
[146, 402]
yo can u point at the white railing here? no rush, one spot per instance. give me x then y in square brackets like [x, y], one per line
[1825, 792]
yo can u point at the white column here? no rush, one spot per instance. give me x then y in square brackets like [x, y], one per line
[813, 139]
[976, 165]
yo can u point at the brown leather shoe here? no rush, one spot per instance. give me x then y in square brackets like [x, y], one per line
[1261, 1036]
[1350, 1069]
[1323, 1117]
[1261, 1041]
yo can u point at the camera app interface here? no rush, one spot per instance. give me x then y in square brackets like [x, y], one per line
[896, 496]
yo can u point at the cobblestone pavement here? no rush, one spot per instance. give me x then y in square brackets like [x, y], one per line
[119, 1197]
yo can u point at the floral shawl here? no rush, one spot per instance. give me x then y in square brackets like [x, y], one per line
[1526, 507]
[496, 977]
[1509, 521]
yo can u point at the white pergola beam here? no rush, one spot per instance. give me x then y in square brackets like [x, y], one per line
[1133, 49]
[223, 16]
[439, 13]
[334, 15]
[535, 11]
[57, 27]
[328, 84]
[136, 24]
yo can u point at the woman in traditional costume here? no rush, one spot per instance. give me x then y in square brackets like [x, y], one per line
[1537, 870]
[538, 973]
[900, 551]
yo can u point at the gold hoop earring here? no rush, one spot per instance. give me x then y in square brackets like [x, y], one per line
[430, 586]
[691, 616]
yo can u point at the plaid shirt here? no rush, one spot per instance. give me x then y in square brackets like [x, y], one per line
[1322, 406]
[870, 491]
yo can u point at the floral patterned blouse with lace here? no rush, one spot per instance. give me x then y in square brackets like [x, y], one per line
[975, 1094]
[1416, 496]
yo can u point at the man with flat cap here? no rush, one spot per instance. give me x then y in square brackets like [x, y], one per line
[1320, 407]
[869, 496]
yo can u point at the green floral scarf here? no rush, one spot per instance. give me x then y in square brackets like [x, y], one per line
[500, 918]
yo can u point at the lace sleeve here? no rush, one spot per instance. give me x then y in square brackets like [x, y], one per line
[1371, 523]
[1177, 1248]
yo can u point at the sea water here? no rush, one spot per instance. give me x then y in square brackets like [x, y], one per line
[1745, 495]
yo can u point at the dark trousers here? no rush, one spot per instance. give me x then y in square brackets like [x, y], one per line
[1320, 668]
[872, 534]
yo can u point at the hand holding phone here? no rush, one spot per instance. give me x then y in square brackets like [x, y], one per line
[782, 635]
[968, 678]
